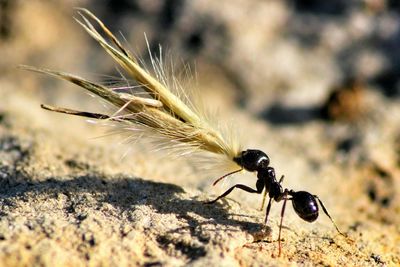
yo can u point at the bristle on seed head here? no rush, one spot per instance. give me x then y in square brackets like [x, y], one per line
[161, 114]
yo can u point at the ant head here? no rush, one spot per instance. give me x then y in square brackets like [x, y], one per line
[252, 160]
[305, 205]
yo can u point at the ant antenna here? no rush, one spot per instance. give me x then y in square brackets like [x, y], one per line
[226, 175]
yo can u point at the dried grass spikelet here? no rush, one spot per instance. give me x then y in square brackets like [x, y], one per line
[170, 118]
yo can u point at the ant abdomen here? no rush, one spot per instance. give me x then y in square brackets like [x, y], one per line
[305, 205]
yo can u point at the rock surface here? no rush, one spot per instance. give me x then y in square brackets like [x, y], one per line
[68, 198]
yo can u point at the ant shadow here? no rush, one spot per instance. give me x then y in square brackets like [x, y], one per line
[125, 193]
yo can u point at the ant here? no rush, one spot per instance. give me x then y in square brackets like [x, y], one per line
[304, 203]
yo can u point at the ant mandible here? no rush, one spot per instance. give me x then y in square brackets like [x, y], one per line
[304, 203]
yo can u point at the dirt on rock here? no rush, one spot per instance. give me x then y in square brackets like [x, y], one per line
[315, 86]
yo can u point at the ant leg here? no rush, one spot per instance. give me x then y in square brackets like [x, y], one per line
[240, 186]
[285, 199]
[268, 209]
[225, 175]
[329, 216]
[263, 200]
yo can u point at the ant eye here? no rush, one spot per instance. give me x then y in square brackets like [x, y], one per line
[263, 163]
[305, 206]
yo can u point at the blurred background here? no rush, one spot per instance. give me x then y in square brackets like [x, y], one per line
[280, 60]
[319, 82]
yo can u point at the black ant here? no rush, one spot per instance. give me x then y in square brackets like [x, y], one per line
[304, 203]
